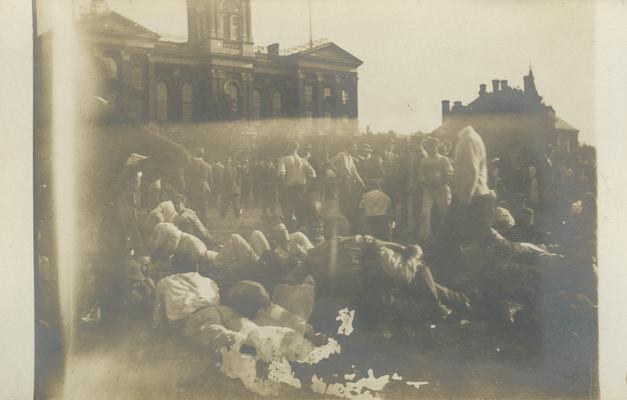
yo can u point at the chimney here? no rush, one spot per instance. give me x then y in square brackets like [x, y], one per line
[482, 89]
[446, 108]
[457, 105]
[273, 49]
[495, 85]
[504, 84]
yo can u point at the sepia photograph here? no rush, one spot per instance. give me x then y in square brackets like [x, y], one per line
[315, 199]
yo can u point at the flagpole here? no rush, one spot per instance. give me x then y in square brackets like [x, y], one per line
[310, 28]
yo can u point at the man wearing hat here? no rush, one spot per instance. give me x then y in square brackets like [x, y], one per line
[370, 167]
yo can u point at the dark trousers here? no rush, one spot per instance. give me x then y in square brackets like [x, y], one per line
[269, 199]
[293, 204]
[348, 197]
[232, 199]
[198, 202]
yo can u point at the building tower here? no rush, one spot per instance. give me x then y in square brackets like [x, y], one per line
[220, 26]
[529, 84]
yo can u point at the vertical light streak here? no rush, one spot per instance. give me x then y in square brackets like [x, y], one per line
[64, 60]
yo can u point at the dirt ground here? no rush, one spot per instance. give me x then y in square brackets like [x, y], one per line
[458, 359]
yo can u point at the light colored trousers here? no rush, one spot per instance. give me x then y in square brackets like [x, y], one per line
[236, 251]
[260, 243]
[438, 198]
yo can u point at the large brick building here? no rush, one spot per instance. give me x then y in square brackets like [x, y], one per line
[217, 72]
[510, 118]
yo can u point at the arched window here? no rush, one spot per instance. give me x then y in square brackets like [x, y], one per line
[256, 105]
[162, 102]
[277, 106]
[232, 92]
[187, 96]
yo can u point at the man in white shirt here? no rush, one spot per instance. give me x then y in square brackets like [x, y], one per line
[181, 294]
[470, 177]
[294, 171]
[469, 181]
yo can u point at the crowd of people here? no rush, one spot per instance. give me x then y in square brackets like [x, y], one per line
[414, 228]
[406, 231]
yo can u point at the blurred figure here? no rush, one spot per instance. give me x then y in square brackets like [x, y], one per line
[294, 172]
[198, 182]
[525, 229]
[435, 174]
[218, 173]
[244, 170]
[370, 167]
[268, 188]
[348, 181]
[231, 189]
[470, 177]
[409, 184]
[533, 188]
[376, 209]
[469, 181]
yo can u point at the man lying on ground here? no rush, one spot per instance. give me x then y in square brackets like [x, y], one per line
[362, 269]
[189, 303]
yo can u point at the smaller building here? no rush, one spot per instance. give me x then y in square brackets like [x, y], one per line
[509, 118]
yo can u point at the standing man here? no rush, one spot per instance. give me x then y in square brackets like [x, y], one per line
[244, 170]
[410, 185]
[370, 167]
[469, 181]
[268, 188]
[198, 182]
[435, 174]
[294, 171]
[231, 189]
[343, 166]
[470, 177]
[218, 172]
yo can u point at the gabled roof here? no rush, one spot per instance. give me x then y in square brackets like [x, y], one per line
[329, 52]
[562, 125]
[113, 23]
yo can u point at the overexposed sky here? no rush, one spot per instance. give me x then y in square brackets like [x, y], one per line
[417, 53]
